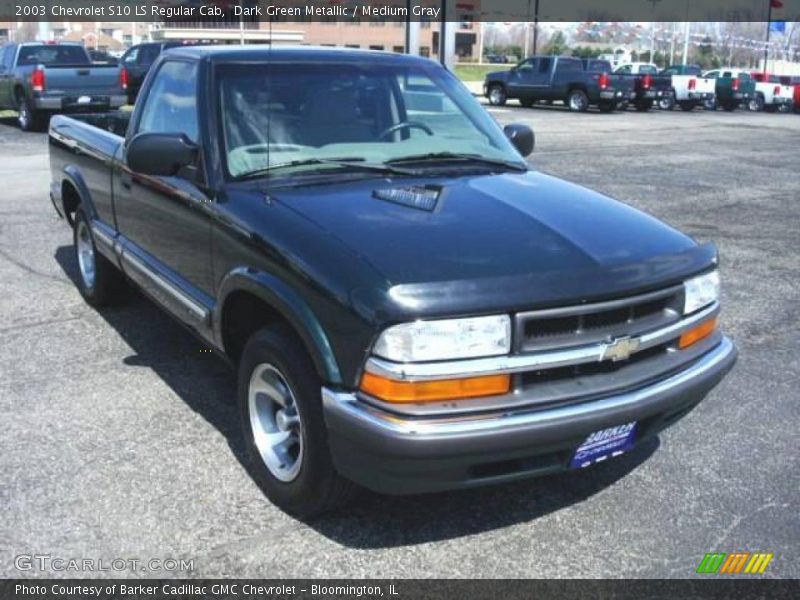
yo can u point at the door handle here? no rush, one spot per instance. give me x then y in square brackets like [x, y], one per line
[126, 180]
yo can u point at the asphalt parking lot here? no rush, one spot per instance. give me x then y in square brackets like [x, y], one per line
[120, 439]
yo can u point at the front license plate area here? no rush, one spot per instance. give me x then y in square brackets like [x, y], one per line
[603, 444]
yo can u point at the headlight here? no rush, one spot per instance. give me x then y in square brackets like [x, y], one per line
[446, 339]
[700, 291]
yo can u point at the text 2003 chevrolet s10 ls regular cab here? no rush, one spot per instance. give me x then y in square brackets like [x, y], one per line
[409, 307]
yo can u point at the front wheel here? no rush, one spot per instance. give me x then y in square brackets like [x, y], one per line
[577, 101]
[497, 95]
[280, 407]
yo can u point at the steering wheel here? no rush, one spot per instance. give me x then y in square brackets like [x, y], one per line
[405, 125]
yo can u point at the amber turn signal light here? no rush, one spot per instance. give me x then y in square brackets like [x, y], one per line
[693, 336]
[390, 390]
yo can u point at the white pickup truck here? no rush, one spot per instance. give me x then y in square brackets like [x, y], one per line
[771, 95]
[689, 88]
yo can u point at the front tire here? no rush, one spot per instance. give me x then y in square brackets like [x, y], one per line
[99, 281]
[280, 407]
[497, 95]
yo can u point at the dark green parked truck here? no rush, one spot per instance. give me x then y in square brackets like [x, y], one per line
[733, 87]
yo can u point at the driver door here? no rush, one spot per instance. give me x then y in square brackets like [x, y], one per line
[166, 221]
[521, 79]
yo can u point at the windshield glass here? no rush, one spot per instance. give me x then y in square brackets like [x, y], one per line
[52, 55]
[283, 113]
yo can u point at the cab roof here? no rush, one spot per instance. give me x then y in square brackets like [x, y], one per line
[292, 53]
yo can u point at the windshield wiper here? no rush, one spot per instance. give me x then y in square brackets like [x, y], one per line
[351, 163]
[463, 157]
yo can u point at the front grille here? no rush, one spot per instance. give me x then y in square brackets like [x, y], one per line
[594, 323]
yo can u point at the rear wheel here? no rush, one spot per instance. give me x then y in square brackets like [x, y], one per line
[687, 105]
[497, 95]
[606, 107]
[527, 103]
[667, 102]
[756, 104]
[28, 117]
[771, 108]
[99, 282]
[577, 101]
[644, 105]
[711, 104]
[729, 106]
[280, 407]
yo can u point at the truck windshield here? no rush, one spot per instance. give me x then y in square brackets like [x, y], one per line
[303, 116]
[53, 55]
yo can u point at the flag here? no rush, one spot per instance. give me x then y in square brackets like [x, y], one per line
[776, 3]
[777, 27]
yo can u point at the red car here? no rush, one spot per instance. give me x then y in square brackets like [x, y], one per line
[793, 81]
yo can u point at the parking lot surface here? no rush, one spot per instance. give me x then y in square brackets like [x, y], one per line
[120, 438]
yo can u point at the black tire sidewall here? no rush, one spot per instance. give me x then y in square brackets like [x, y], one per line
[305, 495]
[584, 100]
[108, 281]
[502, 99]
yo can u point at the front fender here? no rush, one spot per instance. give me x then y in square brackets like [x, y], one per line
[286, 301]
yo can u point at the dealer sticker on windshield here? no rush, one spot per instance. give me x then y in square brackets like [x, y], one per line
[603, 444]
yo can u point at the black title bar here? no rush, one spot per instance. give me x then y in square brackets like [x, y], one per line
[235, 11]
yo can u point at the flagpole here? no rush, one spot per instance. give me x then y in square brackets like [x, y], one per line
[769, 26]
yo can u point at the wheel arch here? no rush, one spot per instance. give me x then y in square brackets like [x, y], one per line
[74, 194]
[250, 299]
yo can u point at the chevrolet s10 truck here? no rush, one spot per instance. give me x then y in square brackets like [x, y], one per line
[409, 306]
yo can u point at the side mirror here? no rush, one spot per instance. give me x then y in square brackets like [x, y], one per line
[160, 153]
[522, 137]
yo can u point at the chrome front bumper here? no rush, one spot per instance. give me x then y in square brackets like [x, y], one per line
[396, 454]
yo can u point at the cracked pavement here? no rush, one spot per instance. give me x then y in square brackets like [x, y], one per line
[120, 438]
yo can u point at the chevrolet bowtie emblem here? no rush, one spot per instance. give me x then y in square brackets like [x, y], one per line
[620, 349]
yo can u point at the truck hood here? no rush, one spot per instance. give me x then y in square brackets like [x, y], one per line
[526, 239]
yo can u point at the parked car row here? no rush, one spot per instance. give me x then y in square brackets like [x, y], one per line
[581, 83]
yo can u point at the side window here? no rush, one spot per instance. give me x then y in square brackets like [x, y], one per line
[670, 71]
[527, 65]
[171, 103]
[130, 56]
[625, 70]
[544, 65]
[148, 54]
[8, 58]
[712, 74]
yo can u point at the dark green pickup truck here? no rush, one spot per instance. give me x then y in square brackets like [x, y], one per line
[734, 87]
